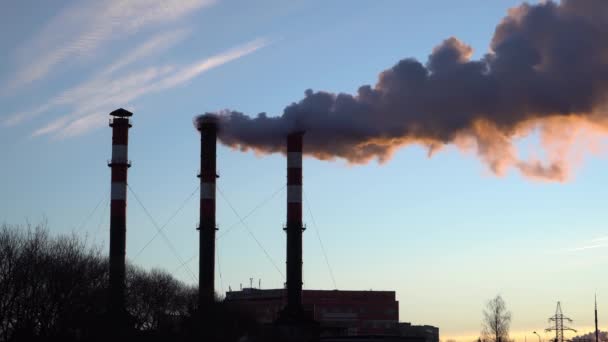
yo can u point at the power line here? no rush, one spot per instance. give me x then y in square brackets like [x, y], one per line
[314, 223]
[167, 222]
[162, 234]
[250, 232]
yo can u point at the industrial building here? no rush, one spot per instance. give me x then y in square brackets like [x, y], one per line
[426, 333]
[348, 314]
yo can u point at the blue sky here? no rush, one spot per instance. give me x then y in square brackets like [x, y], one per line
[443, 232]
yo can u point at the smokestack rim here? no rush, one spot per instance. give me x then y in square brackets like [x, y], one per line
[297, 132]
[207, 121]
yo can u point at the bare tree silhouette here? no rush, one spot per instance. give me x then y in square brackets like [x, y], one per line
[48, 284]
[496, 321]
[55, 288]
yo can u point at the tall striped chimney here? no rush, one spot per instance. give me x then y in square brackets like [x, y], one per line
[207, 125]
[119, 165]
[294, 227]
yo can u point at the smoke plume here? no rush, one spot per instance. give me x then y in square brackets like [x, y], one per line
[588, 337]
[546, 73]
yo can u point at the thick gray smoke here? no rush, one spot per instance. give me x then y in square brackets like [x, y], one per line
[546, 72]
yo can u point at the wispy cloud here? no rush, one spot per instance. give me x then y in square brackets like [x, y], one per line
[18, 117]
[189, 72]
[154, 45]
[103, 79]
[98, 92]
[83, 124]
[91, 99]
[583, 248]
[81, 29]
[599, 242]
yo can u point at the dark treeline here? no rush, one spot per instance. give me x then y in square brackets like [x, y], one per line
[55, 288]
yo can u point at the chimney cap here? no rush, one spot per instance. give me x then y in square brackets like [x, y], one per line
[121, 112]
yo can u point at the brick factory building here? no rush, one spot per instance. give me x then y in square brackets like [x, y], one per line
[340, 313]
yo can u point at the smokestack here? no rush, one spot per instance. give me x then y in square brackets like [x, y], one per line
[119, 164]
[294, 226]
[207, 125]
[597, 331]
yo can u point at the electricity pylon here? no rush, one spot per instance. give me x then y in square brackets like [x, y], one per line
[558, 324]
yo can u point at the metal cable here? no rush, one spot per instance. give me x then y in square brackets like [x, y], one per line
[261, 204]
[103, 217]
[219, 268]
[231, 227]
[314, 223]
[250, 233]
[92, 212]
[167, 222]
[184, 264]
[162, 234]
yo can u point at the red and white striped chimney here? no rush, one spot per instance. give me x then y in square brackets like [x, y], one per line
[207, 125]
[119, 164]
[294, 227]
